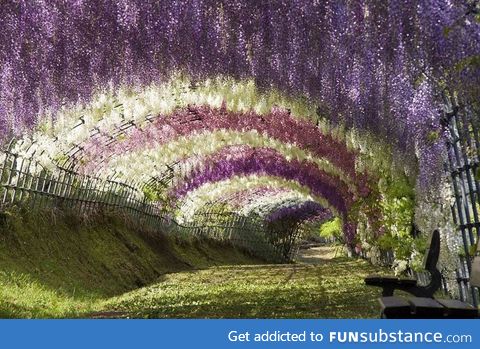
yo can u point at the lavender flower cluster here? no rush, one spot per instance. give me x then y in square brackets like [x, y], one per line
[305, 211]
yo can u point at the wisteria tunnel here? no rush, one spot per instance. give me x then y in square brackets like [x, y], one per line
[252, 123]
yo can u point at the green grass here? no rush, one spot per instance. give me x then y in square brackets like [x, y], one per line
[21, 296]
[53, 264]
[333, 289]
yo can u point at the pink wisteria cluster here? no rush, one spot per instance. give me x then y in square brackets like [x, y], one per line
[278, 124]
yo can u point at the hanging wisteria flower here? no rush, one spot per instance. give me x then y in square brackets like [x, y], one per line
[342, 98]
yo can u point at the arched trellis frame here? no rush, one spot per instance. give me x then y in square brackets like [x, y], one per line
[94, 131]
[77, 151]
[279, 236]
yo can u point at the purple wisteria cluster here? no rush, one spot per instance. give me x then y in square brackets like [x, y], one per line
[367, 63]
[305, 211]
[243, 161]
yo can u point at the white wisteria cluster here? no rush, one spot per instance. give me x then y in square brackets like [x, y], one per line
[433, 211]
[73, 125]
[261, 206]
[141, 164]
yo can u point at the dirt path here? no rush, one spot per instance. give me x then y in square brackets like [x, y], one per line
[316, 255]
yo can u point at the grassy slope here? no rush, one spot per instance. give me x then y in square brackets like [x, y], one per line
[54, 265]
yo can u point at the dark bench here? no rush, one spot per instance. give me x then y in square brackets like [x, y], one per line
[424, 306]
[391, 283]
